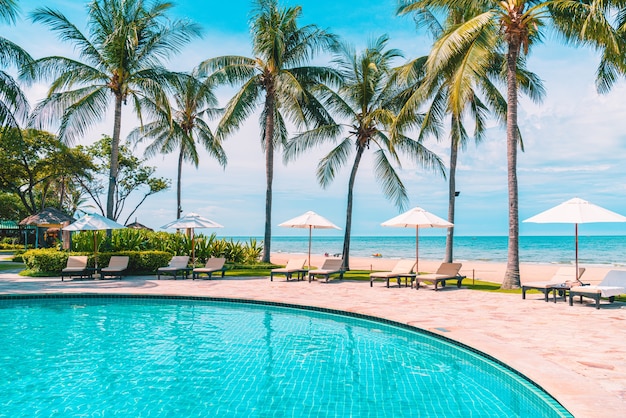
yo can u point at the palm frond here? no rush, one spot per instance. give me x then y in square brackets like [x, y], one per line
[312, 138]
[333, 161]
[392, 186]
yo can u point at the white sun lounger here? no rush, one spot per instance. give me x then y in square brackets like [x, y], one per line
[213, 265]
[445, 272]
[76, 266]
[613, 284]
[403, 268]
[561, 276]
[178, 264]
[331, 266]
[294, 265]
[117, 265]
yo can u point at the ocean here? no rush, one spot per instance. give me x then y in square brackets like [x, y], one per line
[592, 250]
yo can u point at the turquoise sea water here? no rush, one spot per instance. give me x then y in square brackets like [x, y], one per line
[147, 357]
[601, 250]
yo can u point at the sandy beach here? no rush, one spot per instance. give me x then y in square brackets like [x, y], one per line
[491, 272]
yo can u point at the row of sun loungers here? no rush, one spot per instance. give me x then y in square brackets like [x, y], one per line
[77, 267]
[565, 280]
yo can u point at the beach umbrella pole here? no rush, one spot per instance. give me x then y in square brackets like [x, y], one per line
[576, 234]
[417, 230]
[310, 229]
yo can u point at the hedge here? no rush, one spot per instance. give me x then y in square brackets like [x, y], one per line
[52, 261]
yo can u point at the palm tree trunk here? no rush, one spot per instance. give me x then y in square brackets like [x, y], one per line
[179, 209]
[269, 173]
[115, 153]
[454, 152]
[346, 237]
[512, 276]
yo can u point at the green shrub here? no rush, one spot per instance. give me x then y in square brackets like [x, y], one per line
[174, 243]
[48, 260]
[51, 261]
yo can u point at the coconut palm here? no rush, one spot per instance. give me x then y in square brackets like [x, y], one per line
[365, 100]
[182, 127]
[599, 24]
[14, 107]
[464, 88]
[515, 26]
[121, 59]
[279, 80]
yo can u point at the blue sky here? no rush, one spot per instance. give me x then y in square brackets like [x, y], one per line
[574, 140]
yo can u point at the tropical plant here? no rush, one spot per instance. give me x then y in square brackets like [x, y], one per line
[464, 87]
[36, 167]
[14, 107]
[513, 26]
[278, 79]
[121, 55]
[183, 126]
[365, 100]
[133, 176]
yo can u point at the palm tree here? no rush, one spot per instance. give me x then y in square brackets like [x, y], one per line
[365, 99]
[278, 79]
[182, 127]
[121, 60]
[14, 107]
[514, 26]
[462, 87]
[601, 25]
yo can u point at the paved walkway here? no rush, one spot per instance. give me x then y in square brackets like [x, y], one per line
[577, 354]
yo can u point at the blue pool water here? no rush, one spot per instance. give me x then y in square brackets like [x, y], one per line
[147, 357]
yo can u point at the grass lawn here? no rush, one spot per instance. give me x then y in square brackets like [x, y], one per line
[6, 265]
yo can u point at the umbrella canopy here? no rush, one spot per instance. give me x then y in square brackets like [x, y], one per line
[309, 220]
[576, 211]
[93, 222]
[191, 221]
[417, 218]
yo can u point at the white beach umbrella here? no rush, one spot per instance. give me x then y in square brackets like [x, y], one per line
[310, 220]
[191, 221]
[576, 211]
[417, 218]
[93, 222]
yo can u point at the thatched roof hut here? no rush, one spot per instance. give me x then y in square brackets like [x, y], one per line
[47, 217]
[137, 225]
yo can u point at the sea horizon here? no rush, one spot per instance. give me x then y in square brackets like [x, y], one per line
[603, 250]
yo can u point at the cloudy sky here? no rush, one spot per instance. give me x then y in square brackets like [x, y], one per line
[574, 140]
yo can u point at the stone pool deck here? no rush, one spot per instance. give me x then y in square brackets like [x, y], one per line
[577, 354]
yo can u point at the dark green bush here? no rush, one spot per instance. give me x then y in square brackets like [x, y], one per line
[48, 260]
[51, 261]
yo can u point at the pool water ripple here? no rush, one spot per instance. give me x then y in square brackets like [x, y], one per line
[132, 357]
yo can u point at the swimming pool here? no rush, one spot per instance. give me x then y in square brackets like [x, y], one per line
[180, 357]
